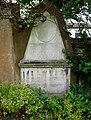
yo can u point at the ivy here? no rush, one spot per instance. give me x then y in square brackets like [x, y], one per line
[82, 67]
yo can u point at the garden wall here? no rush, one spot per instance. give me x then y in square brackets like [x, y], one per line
[6, 51]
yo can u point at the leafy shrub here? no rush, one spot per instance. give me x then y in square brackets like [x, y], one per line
[17, 98]
[82, 67]
[20, 100]
[81, 103]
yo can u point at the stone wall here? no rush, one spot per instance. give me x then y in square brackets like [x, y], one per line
[12, 43]
[78, 46]
[6, 51]
[12, 46]
[20, 40]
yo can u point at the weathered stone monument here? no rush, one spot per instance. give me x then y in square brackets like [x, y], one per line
[6, 47]
[44, 64]
[35, 56]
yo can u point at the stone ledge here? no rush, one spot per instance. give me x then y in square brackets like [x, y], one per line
[44, 64]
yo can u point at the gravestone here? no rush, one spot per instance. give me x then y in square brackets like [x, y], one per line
[44, 64]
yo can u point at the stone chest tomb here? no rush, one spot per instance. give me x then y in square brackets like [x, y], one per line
[43, 64]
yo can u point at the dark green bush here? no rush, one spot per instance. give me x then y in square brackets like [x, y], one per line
[82, 67]
[27, 103]
[81, 105]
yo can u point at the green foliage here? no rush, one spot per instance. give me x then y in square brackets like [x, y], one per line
[75, 10]
[16, 98]
[81, 103]
[28, 2]
[28, 21]
[19, 100]
[72, 7]
[82, 66]
[69, 8]
[85, 73]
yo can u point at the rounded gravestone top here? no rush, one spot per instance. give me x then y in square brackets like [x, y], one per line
[46, 31]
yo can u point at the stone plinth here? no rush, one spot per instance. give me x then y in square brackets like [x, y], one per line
[53, 76]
